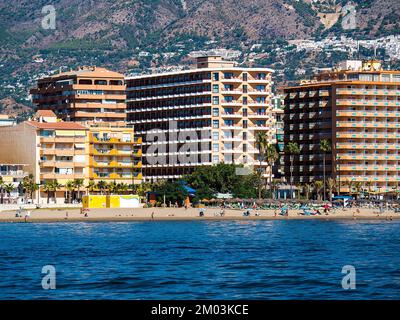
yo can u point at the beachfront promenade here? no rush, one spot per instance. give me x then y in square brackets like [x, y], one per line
[211, 213]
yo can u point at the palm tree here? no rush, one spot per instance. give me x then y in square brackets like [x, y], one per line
[349, 184]
[368, 184]
[274, 186]
[358, 188]
[308, 188]
[70, 186]
[331, 184]
[325, 147]
[30, 186]
[261, 145]
[9, 187]
[78, 183]
[396, 189]
[102, 185]
[123, 187]
[292, 149]
[271, 156]
[90, 187]
[51, 187]
[143, 188]
[319, 185]
[1, 190]
[113, 187]
[47, 188]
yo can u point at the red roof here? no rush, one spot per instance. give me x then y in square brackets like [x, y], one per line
[45, 113]
[57, 125]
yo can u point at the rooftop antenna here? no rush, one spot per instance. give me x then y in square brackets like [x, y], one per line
[374, 51]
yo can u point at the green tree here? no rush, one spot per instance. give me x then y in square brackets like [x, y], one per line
[70, 186]
[331, 184]
[1, 190]
[308, 189]
[78, 183]
[318, 185]
[8, 188]
[271, 156]
[102, 186]
[91, 186]
[29, 186]
[261, 145]
[292, 149]
[171, 192]
[325, 147]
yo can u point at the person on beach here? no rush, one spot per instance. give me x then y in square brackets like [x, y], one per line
[152, 215]
[66, 215]
[27, 215]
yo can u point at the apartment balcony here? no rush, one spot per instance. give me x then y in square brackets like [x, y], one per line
[111, 140]
[169, 85]
[232, 92]
[168, 108]
[367, 124]
[231, 80]
[231, 102]
[233, 139]
[379, 92]
[385, 168]
[57, 176]
[235, 127]
[363, 113]
[256, 115]
[380, 103]
[258, 103]
[138, 140]
[361, 135]
[259, 92]
[231, 115]
[362, 156]
[370, 178]
[170, 96]
[372, 146]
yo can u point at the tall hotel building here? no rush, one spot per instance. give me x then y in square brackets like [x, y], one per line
[356, 107]
[89, 94]
[217, 106]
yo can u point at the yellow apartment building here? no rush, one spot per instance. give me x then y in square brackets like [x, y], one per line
[356, 107]
[115, 154]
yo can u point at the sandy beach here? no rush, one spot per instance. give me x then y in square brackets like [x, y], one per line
[165, 214]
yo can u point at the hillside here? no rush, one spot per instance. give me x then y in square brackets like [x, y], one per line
[131, 36]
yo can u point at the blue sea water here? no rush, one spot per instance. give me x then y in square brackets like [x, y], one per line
[201, 260]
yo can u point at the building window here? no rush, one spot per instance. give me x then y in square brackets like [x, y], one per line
[215, 147]
[228, 75]
[245, 101]
[215, 88]
[215, 112]
[244, 135]
[216, 76]
[215, 159]
[245, 124]
[215, 124]
[244, 112]
[244, 88]
[260, 88]
[261, 76]
[245, 76]
[215, 100]
[215, 136]
[244, 147]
